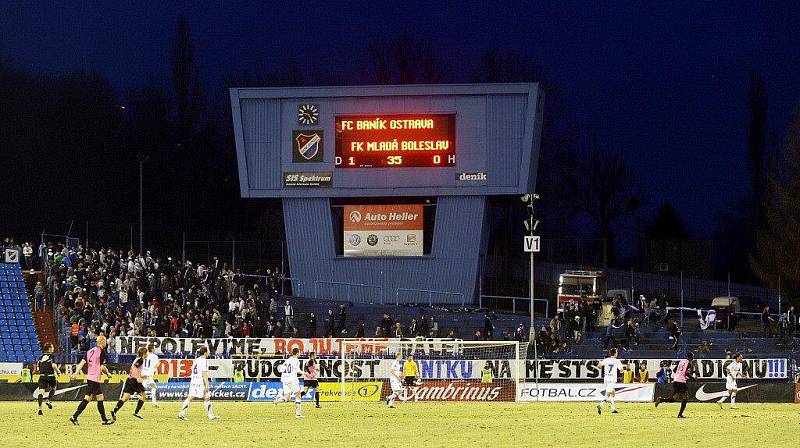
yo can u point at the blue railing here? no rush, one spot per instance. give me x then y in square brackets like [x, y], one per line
[429, 293]
[350, 288]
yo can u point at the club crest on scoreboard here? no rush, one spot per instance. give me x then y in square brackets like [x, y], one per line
[307, 146]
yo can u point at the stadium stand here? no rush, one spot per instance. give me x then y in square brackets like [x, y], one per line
[125, 293]
[18, 340]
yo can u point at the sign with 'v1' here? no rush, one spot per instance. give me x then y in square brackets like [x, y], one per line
[532, 243]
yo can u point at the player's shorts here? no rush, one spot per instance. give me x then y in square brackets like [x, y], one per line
[410, 381]
[609, 386]
[93, 388]
[311, 384]
[47, 382]
[291, 386]
[679, 388]
[148, 382]
[132, 387]
[396, 384]
[730, 384]
[197, 390]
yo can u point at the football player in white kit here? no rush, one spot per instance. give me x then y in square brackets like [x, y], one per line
[290, 382]
[733, 371]
[395, 380]
[611, 366]
[149, 371]
[199, 387]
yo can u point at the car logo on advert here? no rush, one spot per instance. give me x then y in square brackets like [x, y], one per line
[372, 240]
[355, 239]
[355, 216]
[411, 238]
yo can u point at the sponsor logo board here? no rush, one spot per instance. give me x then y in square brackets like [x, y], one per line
[308, 179]
[11, 368]
[219, 391]
[582, 392]
[748, 392]
[471, 177]
[388, 230]
[458, 391]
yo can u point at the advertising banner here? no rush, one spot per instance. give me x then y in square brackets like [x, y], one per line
[708, 369]
[65, 392]
[13, 369]
[458, 391]
[308, 179]
[749, 392]
[582, 392]
[268, 391]
[225, 390]
[269, 346]
[353, 391]
[383, 230]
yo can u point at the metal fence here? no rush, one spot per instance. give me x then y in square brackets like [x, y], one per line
[251, 256]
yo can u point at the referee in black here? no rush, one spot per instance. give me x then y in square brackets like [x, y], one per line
[48, 370]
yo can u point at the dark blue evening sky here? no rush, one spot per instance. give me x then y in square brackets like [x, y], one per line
[663, 82]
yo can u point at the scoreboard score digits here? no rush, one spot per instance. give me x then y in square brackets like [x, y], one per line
[395, 141]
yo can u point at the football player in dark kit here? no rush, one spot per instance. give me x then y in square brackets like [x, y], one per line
[680, 390]
[133, 386]
[48, 370]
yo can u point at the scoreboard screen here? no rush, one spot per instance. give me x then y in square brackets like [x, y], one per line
[395, 141]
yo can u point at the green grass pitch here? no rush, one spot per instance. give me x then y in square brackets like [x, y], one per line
[357, 424]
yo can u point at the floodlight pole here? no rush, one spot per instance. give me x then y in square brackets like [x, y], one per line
[531, 327]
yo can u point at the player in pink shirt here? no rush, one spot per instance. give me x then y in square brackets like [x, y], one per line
[311, 376]
[95, 361]
[679, 388]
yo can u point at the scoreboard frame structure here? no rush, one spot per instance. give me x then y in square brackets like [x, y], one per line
[286, 148]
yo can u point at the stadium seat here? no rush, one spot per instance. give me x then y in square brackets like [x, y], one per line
[18, 340]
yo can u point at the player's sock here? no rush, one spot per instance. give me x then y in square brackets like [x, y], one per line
[207, 406]
[139, 405]
[80, 409]
[118, 406]
[41, 397]
[185, 405]
[603, 401]
[316, 397]
[51, 395]
[613, 404]
[733, 400]
[101, 408]
[683, 406]
[153, 396]
[297, 407]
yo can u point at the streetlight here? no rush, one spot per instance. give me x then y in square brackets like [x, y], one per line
[531, 224]
[142, 159]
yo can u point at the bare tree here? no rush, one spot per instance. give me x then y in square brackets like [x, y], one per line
[404, 60]
[187, 85]
[607, 192]
[778, 238]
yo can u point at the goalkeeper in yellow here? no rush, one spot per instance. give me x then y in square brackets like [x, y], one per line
[410, 375]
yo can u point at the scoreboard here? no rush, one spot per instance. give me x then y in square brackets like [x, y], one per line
[387, 141]
[384, 187]
[395, 141]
